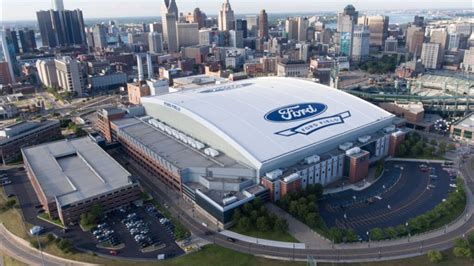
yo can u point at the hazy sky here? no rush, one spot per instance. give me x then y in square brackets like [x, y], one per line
[25, 9]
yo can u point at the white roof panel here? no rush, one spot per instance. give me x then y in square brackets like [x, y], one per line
[268, 117]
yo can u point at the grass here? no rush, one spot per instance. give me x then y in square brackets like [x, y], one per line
[453, 214]
[448, 260]
[12, 218]
[270, 235]
[9, 261]
[44, 216]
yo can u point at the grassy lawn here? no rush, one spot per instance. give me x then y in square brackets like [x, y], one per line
[270, 235]
[44, 216]
[12, 218]
[8, 261]
[453, 214]
[448, 260]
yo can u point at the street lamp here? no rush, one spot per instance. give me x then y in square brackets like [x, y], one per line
[408, 230]
[368, 234]
[41, 250]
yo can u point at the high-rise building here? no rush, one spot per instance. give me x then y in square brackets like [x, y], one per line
[415, 37]
[12, 38]
[440, 36]
[391, 45]
[156, 27]
[169, 16]
[378, 27]
[99, 33]
[155, 42]
[468, 62]
[263, 25]
[58, 5]
[9, 55]
[419, 21]
[27, 40]
[252, 25]
[188, 34]
[236, 38]
[69, 75]
[291, 28]
[241, 25]
[345, 27]
[5, 77]
[47, 73]
[453, 41]
[361, 43]
[431, 55]
[302, 29]
[226, 17]
[61, 28]
[199, 17]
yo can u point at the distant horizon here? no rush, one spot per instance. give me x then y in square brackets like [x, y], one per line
[25, 10]
[244, 14]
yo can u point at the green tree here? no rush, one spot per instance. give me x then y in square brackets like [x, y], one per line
[435, 256]
[433, 142]
[451, 147]
[470, 238]
[401, 151]
[248, 208]
[262, 224]
[97, 212]
[401, 230]
[462, 252]
[280, 225]
[257, 203]
[236, 216]
[376, 234]
[311, 219]
[351, 236]
[461, 243]
[390, 232]
[336, 234]
[244, 224]
[442, 147]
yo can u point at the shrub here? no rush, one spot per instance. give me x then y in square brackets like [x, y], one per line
[435, 256]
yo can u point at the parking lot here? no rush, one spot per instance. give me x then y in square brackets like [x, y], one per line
[161, 240]
[406, 190]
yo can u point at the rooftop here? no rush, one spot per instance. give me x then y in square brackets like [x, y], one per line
[174, 151]
[265, 118]
[466, 123]
[21, 128]
[75, 170]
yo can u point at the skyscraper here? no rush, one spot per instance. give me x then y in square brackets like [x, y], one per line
[99, 33]
[226, 17]
[188, 34]
[12, 39]
[414, 40]
[302, 29]
[69, 75]
[431, 55]
[345, 27]
[61, 28]
[241, 25]
[263, 25]
[378, 27]
[252, 25]
[27, 40]
[361, 43]
[169, 16]
[9, 54]
[58, 5]
[155, 42]
[291, 28]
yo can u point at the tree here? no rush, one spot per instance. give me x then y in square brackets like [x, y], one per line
[462, 252]
[390, 232]
[244, 224]
[442, 147]
[248, 208]
[262, 224]
[433, 142]
[401, 230]
[351, 236]
[376, 234]
[257, 203]
[97, 211]
[336, 234]
[293, 208]
[311, 219]
[236, 216]
[451, 147]
[401, 151]
[280, 225]
[470, 238]
[254, 216]
[435, 256]
[461, 243]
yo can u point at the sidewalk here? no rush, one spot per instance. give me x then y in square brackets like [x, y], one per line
[265, 242]
[299, 230]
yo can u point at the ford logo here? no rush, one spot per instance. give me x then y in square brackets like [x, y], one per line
[295, 112]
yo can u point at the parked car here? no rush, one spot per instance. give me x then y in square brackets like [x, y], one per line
[36, 230]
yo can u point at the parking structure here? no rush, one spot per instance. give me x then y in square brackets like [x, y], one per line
[406, 190]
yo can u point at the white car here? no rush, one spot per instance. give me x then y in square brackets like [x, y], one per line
[36, 230]
[453, 185]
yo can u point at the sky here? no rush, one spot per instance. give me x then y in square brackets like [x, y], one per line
[11, 10]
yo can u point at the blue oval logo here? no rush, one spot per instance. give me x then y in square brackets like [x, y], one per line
[295, 112]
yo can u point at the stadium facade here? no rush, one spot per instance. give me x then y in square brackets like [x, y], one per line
[224, 145]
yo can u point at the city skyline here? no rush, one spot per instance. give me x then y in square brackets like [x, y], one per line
[25, 9]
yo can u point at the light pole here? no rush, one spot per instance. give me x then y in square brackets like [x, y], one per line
[41, 250]
[408, 230]
[368, 235]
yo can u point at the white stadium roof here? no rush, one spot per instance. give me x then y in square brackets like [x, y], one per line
[247, 114]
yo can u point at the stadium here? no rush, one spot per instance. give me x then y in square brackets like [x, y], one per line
[275, 134]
